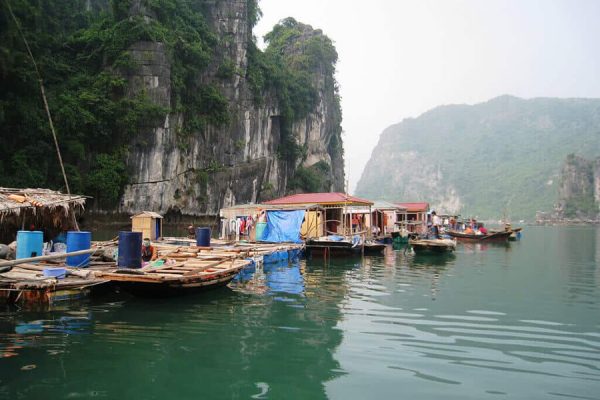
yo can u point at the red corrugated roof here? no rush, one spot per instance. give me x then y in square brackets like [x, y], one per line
[320, 198]
[415, 207]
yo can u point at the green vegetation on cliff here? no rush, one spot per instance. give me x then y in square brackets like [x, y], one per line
[84, 53]
[497, 156]
[577, 189]
[84, 61]
[294, 54]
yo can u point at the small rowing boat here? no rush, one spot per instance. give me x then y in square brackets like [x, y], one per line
[432, 246]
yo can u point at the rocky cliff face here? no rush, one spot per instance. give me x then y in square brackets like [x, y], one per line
[238, 161]
[579, 189]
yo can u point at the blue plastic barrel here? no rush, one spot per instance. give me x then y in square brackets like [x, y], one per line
[260, 231]
[29, 244]
[130, 250]
[76, 241]
[203, 237]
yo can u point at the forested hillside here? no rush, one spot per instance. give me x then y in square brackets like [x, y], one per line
[500, 156]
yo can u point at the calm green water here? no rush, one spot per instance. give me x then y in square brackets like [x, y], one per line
[492, 322]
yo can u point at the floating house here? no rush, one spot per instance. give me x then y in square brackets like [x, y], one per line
[385, 215]
[149, 223]
[331, 213]
[41, 209]
[414, 218]
[248, 221]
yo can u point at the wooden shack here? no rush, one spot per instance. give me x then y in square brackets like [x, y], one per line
[329, 213]
[416, 216]
[149, 223]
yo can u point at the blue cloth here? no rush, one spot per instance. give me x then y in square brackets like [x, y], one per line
[283, 226]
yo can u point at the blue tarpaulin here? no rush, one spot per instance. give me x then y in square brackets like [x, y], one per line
[283, 226]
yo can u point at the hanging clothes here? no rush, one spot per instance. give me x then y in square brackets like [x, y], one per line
[249, 224]
[242, 226]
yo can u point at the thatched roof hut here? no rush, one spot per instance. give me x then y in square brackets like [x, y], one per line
[47, 210]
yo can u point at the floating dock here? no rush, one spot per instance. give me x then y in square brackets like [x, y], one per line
[26, 284]
[180, 268]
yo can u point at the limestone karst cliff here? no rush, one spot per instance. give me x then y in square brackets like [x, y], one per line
[579, 188]
[168, 105]
[241, 160]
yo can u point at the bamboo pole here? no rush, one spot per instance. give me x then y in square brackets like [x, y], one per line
[45, 258]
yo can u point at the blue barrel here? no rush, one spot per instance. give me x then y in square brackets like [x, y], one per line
[203, 237]
[29, 244]
[260, 231]
[76, 241]
[130, 250]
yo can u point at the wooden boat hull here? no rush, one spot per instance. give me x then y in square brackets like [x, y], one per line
[164, 289]
[374, 248]
[432, 246]
[150, 284]
[332, 248]
[491, 237]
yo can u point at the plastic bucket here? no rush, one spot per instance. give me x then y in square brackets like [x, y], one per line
[78, 241]
[130, 250]
[203, 237]
[29, 244]
[260, 230]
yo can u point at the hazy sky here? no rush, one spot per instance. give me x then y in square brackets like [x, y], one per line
[398, 59]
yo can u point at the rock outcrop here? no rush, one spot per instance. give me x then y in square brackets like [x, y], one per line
[579, 189]
[235, 162]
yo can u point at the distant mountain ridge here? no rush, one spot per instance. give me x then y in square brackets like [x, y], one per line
[488, 159]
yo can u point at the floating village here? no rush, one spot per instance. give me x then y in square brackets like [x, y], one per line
[46, 258]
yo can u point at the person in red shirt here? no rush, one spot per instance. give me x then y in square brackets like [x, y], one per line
[149, 252]
[483, 230]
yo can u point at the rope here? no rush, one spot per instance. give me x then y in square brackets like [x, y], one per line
[41, 83]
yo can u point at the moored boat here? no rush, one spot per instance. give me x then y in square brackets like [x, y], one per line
[500, 236]
[373, 247]
[432, 246]
[175, 279]
[335, 245]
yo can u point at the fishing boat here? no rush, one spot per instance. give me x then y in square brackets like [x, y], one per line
[515, 235]
[335, 245]
[491, 236]
[432, 246]
[373, 247]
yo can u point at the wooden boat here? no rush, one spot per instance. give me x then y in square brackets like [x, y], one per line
[373, 247]
[334, 245]
[432, 246]
[515, 235]
[499, 236]
[178, 278]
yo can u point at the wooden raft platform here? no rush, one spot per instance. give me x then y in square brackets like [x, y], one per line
[190, 268]
[184, 269]
[26, 284]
